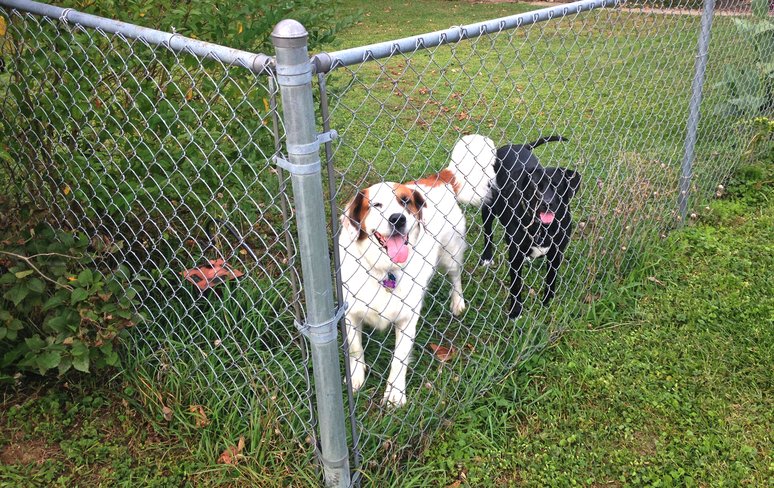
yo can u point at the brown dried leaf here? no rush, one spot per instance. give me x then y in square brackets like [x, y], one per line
[167, 413]
[442, 353]
[655, 280]
[199, 415]
[232, 454]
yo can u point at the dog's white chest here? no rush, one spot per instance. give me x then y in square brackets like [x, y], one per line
[537, 251]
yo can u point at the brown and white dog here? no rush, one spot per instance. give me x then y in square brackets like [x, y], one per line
[393, 238]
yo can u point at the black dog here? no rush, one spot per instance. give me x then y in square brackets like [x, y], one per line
[532, 203]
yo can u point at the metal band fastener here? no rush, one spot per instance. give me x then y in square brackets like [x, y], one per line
[324, 331]
[297, 169]
[294, 75]
[305, 149]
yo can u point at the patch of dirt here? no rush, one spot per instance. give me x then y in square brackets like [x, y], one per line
[28, 452]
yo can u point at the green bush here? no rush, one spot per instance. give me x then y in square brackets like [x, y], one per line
[233, 23]
[140, 143]
[59, 309]
[749, 90]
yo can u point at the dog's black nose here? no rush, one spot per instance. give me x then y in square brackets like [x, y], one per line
[397, 220]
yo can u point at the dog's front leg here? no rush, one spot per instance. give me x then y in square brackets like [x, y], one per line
[395, 394]
[487, 215]
[516, 260]
[553, 261]
[356, 357]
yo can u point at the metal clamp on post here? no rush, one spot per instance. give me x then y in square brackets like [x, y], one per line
[325, 331]
[305, 149]
[294, 75]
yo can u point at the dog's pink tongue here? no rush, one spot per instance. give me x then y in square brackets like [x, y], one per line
[546, 217]
[397, 249]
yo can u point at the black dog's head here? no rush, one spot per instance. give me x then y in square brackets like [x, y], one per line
[553, 191]
[524, 182]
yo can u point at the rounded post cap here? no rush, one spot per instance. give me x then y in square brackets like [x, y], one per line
[289, 33]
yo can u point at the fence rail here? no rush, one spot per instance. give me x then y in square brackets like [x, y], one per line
[180, 155]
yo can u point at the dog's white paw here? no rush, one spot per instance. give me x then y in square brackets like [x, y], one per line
[394, 398]
[458, 305]
[357, 374]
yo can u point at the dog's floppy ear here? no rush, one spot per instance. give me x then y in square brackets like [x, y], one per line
[570, 183]
[354, 213]
[417, 204]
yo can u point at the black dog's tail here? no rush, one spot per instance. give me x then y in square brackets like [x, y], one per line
[543, 140]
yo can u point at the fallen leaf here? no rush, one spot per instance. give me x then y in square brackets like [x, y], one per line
[66, 190]
[167, 413]
[189, 94]
[442, 353]
[199, 415]
[456, 484]
[232, 454]
[655, 280]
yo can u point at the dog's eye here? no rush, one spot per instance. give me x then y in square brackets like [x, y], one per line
[404, 200]
[377, 205]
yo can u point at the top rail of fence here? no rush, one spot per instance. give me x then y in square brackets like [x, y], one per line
[325, 62]
[257, 63]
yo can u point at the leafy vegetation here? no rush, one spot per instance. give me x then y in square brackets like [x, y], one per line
[750, 88]
[59, 307]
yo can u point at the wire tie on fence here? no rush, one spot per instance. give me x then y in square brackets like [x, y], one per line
[172, 37]
[64, 14]
[324, 331]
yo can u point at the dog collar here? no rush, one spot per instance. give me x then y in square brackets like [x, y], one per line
[390, 282]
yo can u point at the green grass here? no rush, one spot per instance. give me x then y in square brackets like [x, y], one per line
[666, 381]
[83, 434]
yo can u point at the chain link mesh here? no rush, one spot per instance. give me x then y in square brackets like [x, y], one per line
[166, 159]
[616, 83]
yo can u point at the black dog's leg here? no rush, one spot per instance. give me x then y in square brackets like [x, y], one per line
[554, 259]
[516, 260]
[488, 217]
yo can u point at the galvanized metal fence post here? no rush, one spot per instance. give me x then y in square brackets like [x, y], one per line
[294, 75]
[694, 108]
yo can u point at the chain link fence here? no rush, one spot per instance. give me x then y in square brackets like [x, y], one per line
[165, 151]
[164, 158]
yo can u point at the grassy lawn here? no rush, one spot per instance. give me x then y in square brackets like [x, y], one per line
[659, 350]
[667, 382]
